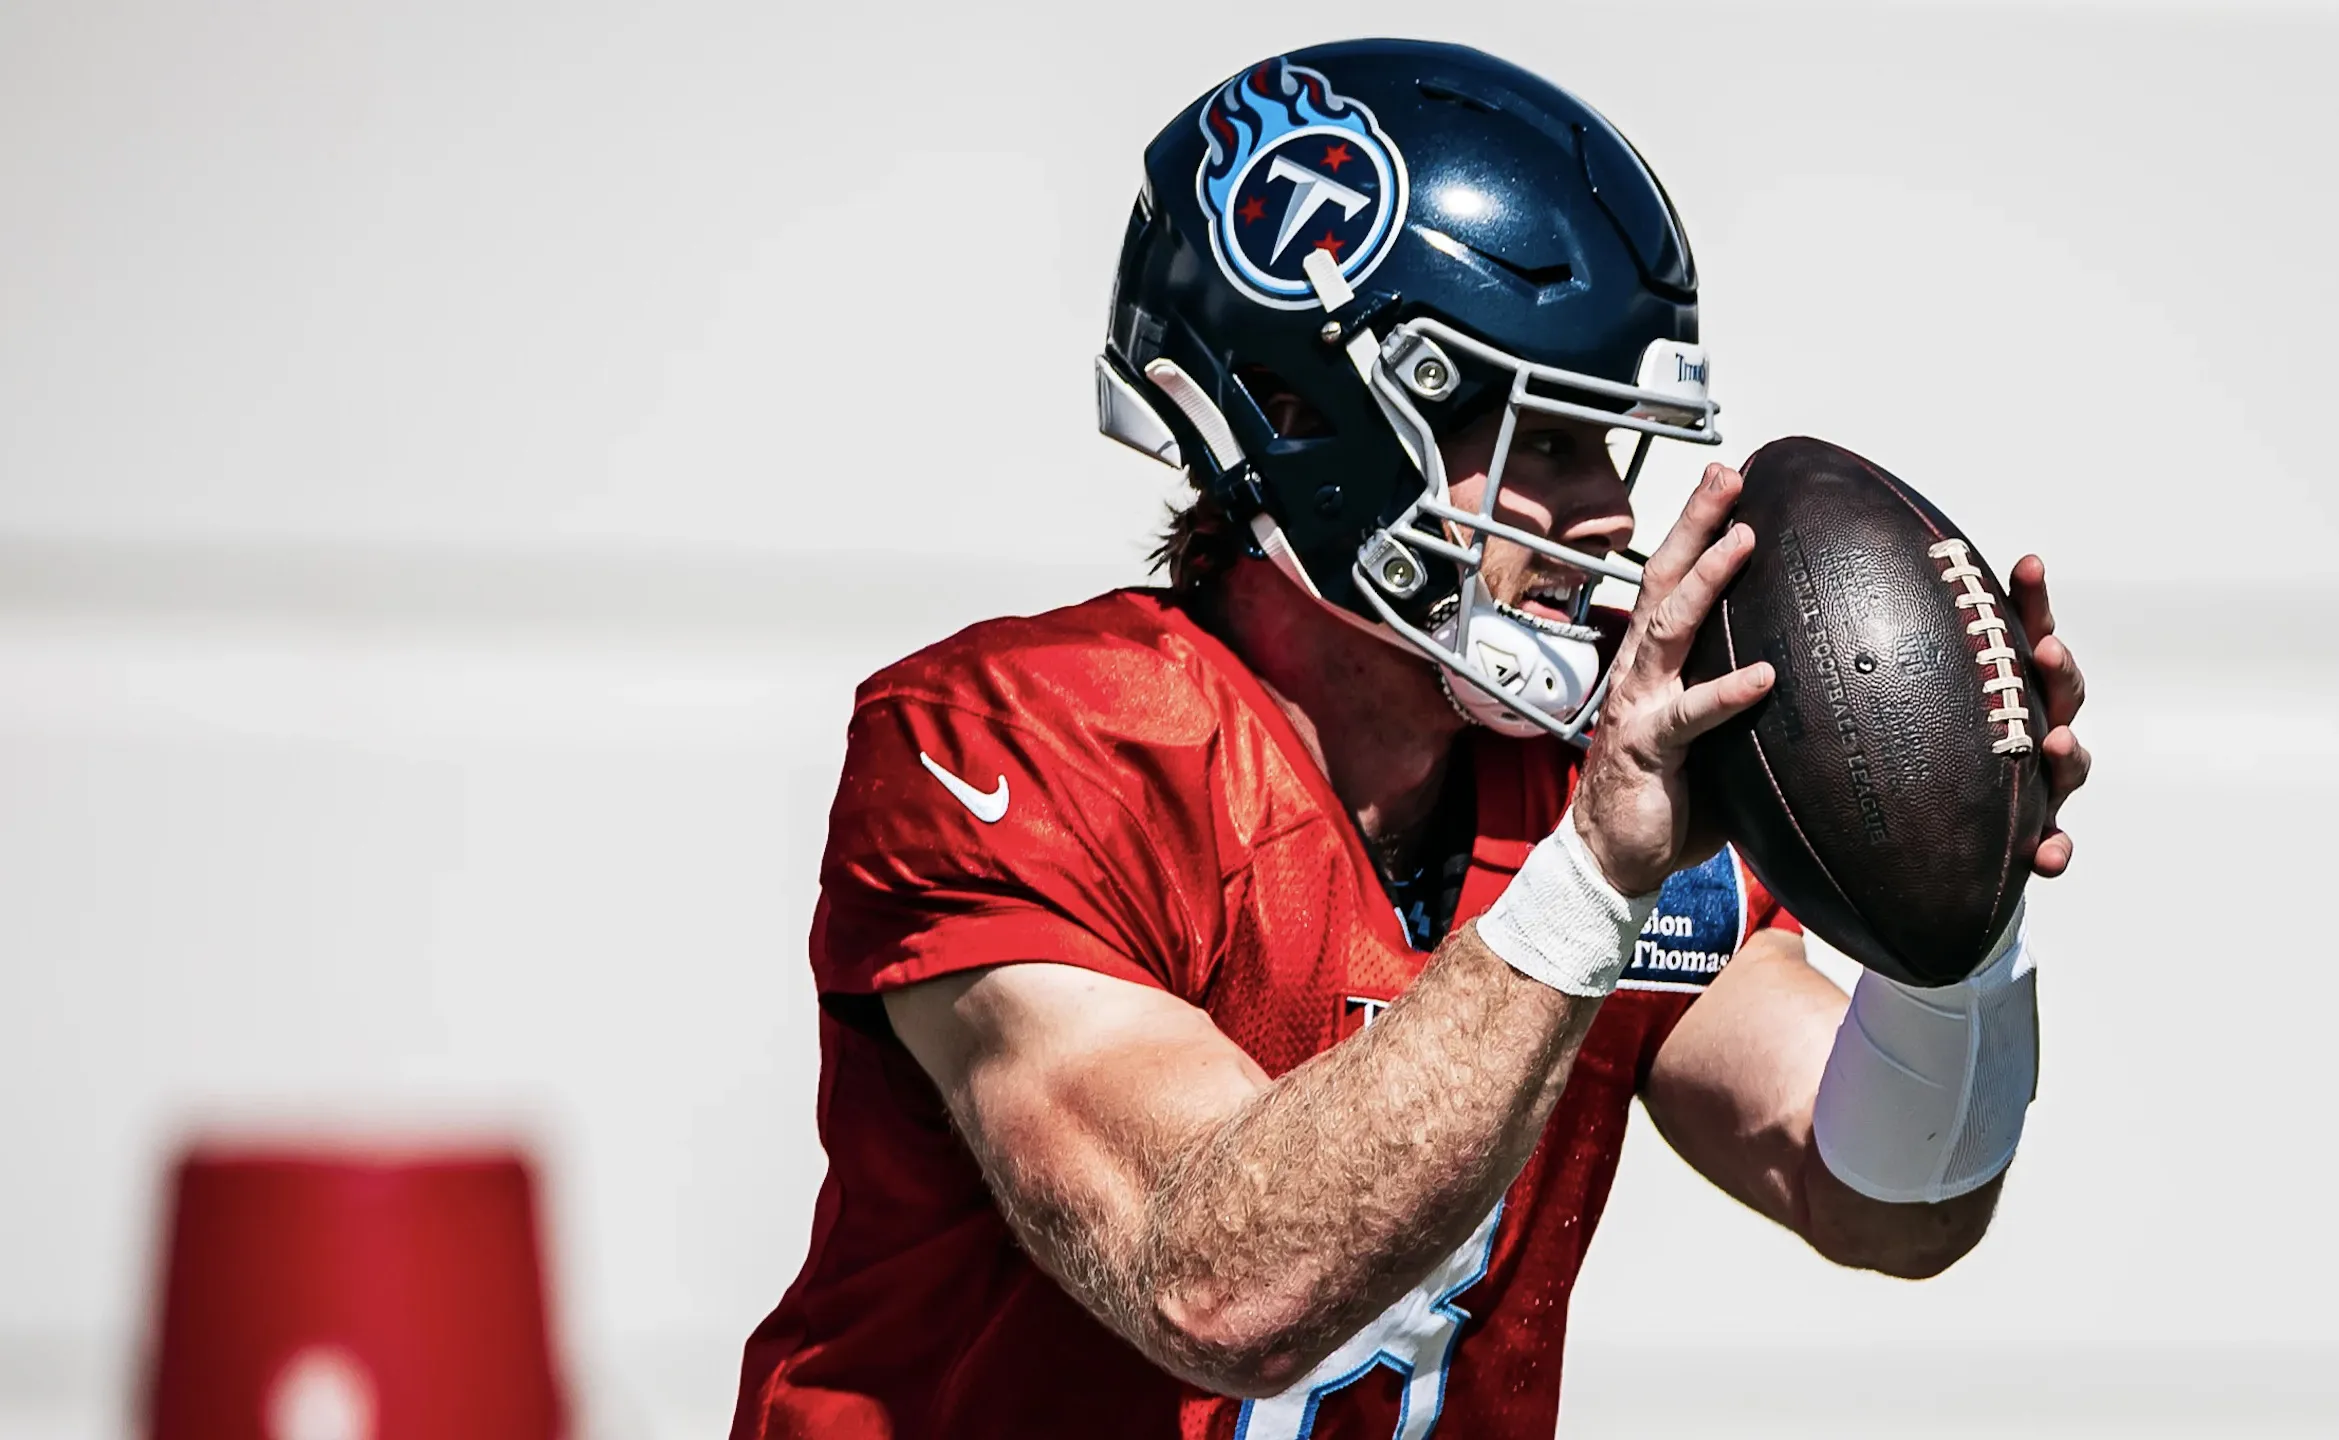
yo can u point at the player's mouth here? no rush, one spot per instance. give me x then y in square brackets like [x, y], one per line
[1553, 597]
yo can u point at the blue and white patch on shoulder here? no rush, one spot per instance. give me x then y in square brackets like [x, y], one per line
[1699, 923]
[1291, 167]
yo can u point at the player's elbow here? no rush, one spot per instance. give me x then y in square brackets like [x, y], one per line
[1919, 1255]
[1908, 1242]
[1246, 1346]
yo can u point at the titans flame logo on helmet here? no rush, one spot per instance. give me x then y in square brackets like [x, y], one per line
[1292, 167]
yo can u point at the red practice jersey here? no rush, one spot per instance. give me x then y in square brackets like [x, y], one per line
[1107, 786]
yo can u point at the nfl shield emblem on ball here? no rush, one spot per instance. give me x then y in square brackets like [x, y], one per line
[1292, 167]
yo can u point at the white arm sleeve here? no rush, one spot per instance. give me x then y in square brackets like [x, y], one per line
[1925, 1090]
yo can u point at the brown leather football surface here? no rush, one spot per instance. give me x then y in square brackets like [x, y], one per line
[1889, 789]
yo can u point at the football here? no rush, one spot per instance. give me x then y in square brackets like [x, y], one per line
[1889, 790]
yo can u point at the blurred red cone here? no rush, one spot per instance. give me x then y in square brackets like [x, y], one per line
[323, 1295]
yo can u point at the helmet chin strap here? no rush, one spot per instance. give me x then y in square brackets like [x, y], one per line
[1278, 549]
[1536, 664]
[1541, 667]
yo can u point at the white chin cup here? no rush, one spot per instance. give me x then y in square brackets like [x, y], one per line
[1536, 667]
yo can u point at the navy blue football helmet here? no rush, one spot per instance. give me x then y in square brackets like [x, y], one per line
[1404, 236]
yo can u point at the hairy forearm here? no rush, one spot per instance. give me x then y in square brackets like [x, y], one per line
[1238, 1228]
[1282, 1229]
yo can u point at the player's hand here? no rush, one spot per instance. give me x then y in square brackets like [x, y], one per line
[1632, 808]
[2066, 759]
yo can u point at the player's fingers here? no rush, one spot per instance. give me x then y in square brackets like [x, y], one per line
[1702, 518]
[1671, 624]
[2066, 687]
[2068, 762]
[2054, 855]
[1701, 707]
[2029, 581]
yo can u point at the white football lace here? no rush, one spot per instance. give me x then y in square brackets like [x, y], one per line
[2003, 682]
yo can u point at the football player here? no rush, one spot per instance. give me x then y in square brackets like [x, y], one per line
[1233, 994]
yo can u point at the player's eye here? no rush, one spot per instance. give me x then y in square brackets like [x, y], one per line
[1556, 444]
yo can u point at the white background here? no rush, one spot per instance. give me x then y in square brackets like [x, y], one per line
[456, 460]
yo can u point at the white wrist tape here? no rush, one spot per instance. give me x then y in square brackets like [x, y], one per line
[1561, 922]
[1925, 1090]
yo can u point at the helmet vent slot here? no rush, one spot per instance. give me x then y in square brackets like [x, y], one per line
[1538, 276]
[1454, 95]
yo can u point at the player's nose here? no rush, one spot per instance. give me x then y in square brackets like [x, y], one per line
[1606, 530]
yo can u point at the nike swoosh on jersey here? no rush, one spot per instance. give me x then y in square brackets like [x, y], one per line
[987, 808]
